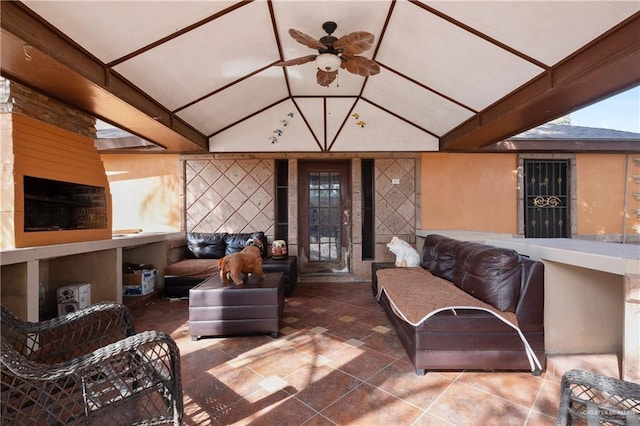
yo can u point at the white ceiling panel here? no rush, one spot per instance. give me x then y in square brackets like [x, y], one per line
[451, 60]
[237, 102]
[312, 110]
[205, 59]
[257, 133]
[338, 113]
[423, 108]
[545, 30]
[113, 29]
[381, 132]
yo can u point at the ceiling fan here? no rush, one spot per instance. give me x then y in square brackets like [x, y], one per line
[335, 53]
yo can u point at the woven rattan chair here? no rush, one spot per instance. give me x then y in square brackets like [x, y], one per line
[87, 367]
[598, 400]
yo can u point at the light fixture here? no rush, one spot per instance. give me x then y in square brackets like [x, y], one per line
[328, 62]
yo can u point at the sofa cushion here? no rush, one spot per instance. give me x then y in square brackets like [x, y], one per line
[236, 242]
[204, 245]
[438, 255]
[194, 268]
[488, 273]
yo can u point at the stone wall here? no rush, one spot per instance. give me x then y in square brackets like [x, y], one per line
[20, 99]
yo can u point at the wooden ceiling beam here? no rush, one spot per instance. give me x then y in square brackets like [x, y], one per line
[38, 56]
[605, 67]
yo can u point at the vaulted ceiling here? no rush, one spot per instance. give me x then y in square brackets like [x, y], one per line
[202, 76]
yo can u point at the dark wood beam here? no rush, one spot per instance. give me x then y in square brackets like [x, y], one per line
[605, 67]
[38, 56]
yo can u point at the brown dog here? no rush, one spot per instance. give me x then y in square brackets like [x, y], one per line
[247, 261]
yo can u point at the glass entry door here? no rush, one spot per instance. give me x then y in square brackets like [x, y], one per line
[324, 216]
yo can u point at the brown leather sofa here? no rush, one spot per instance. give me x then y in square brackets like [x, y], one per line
[199, 257]
[470, 339]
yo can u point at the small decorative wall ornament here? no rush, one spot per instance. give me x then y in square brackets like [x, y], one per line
[359, 122]
[278, 131]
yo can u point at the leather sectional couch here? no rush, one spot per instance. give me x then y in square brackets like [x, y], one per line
[493, 290]
[199, 260]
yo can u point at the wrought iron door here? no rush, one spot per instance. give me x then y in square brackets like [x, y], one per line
[546, 199]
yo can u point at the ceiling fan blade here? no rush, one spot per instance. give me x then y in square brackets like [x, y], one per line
[325, 78]
[354, 43]
[308, 41]
[361, 66]
[297, 61]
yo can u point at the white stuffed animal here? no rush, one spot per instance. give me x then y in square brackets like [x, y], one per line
[406, 256]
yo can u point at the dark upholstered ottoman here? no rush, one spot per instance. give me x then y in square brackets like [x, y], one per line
[217, 309]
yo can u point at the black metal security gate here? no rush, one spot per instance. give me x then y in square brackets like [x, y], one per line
[546, 198]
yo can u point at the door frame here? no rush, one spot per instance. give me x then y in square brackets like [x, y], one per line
[344, 264]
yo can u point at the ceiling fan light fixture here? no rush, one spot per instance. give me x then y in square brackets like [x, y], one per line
[328, 62]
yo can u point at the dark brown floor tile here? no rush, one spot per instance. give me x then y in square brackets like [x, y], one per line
[548, 400]
[400, 380]
[276, 361]
[350, 330]
[240, 345]
[319, 420]
[539, 419]
[315, 344]
[519, 387]
[359, 362]
[196, 362]
[428, 420]
[464, 405]
[320, 386]
[387, 343]
[373, 317]
[240, 380]
[367, 405]
[264, 408]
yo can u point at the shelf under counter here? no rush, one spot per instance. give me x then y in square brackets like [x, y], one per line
[25, 270]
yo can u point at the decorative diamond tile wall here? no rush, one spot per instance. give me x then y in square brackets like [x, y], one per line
[395, 202]
[230, 195]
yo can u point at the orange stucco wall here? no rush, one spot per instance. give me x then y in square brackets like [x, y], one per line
[601, 194]
[470, 192]
[145, 190]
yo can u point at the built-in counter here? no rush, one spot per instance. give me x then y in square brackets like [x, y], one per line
[592, 293]
[26, 273]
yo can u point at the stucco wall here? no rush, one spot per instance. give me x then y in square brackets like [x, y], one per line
[470, 192]
[145, 191]
[601, 194]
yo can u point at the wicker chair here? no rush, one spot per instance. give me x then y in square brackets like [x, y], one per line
[88, 367]
[598, 400]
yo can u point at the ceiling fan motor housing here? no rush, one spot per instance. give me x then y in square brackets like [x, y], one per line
[329, 27]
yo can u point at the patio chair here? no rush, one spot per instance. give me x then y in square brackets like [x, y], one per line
[598, 400]
[88, 367]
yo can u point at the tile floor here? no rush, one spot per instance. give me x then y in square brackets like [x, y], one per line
[337, 362]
